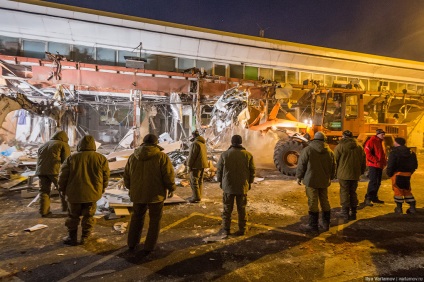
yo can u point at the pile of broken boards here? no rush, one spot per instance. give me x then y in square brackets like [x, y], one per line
[17, 173]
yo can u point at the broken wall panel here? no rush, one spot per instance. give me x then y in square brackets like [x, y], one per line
[97, 80]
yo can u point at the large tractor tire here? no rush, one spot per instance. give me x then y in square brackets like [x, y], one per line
[286, 155]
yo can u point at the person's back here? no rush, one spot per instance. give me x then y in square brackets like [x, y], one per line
[83, 178]
[401, 165]
[197, 157]
[350, 159]
[85, 174]
[52, 154]
[50, 157]
[401, 159]
[316, 165]
[148, 175]
[236, 171]
[197, 161]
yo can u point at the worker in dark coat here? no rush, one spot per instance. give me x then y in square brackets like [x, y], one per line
[149, 176]
[401, 165]
[83, 179]
[197, 161]
[50, 157]
[316, 167]
[235, 173]
[376, 161]
[350, 160]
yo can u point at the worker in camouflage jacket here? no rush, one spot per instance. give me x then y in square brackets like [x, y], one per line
[149, 176]
[235, 173]
[83, 179]
[316, 167]
[197, 161]
[50, 157]
[351, 164]
[401, 165]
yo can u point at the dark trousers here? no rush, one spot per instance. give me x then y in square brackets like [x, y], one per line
[374, 174]
[137, 222]
[46, 182]
[45, 190]
[317, 196]
[348, 196]
[228, 203]
[75, 211]
[196, 182]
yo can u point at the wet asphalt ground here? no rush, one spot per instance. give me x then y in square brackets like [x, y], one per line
[379, 244]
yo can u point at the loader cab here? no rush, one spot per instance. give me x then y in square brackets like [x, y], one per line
[328, 111]
[337, 111]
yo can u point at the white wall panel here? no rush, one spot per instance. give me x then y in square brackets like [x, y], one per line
[124, 34]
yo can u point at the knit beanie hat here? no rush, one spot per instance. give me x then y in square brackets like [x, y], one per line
[236, 140]
[401, 141]
[379, 131]
[319, 136]
[347, 133]
[150, 139]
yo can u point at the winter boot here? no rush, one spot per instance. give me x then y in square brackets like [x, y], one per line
[368, 203]
[352, 215]
[398, 208]
[71, 239]
[85, 236]
[344, 214]
[412, 208]
[312, 226]
[325, 223]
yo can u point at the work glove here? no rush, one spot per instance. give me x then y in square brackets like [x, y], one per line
[170, 194]
[299, 181]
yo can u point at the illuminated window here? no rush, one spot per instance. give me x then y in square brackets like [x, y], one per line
[305, 76]
[318, 76]
[251, 73]
[236, 71]
[365, 82]
[393, 86]
[220, 70]
[411, 87]
[265, 73]
[373, 85]
[280, 76]
[401, 86]
[293, 77]
[328, 80]
[351, 106]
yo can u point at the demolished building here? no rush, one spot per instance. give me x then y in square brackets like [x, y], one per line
[176, 79]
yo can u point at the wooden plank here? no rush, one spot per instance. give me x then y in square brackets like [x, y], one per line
[121, 211]
[13, 182]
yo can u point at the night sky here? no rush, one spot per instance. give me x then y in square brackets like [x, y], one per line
[393, 28]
